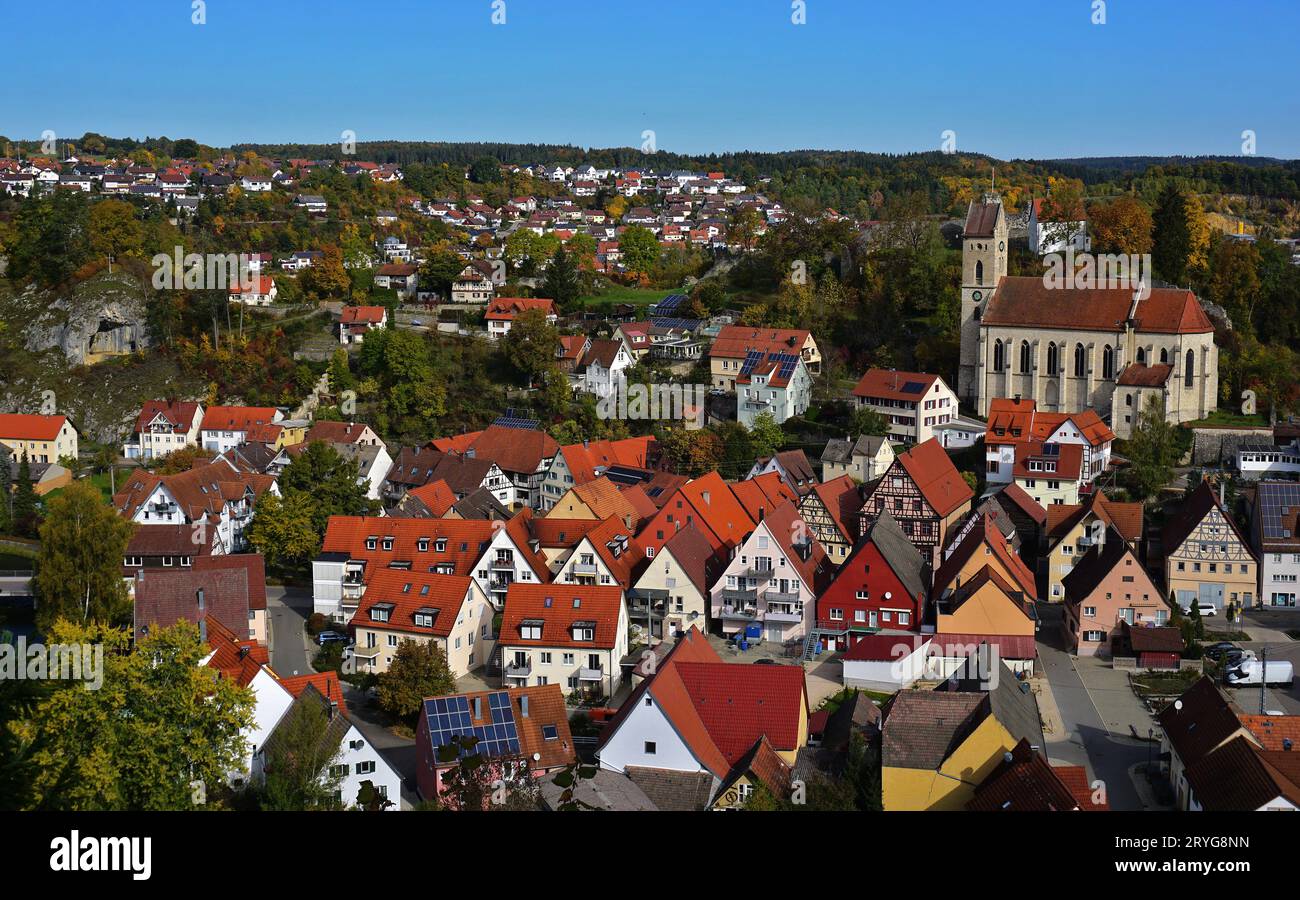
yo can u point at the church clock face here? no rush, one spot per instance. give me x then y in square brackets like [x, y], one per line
[1002, 245]
[977, 296]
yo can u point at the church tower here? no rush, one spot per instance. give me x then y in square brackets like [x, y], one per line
[983, 266]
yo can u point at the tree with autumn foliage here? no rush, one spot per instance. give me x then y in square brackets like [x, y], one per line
[1121, 226]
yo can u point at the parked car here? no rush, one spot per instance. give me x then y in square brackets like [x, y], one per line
[1207, 609]
[328, 637]
[1234, 658]
[1252, 671]
[1219, 650]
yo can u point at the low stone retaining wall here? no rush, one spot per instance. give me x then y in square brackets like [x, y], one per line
[1218, 446]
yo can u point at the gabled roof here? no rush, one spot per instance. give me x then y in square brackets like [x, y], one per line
[164, 597]
[1239, 777]
[1142, 375]
[715, 506]
[435, 495]
[466, 541]
[546, 712]
[604, 499]
[1126, 518]
[808, 558]
[735, 341]
[1273, 732]
[611, 541]
[177, 413]
[762, 493]
[405, 593]
[842, 452]
[694, 555]
[237, 418]
[554, 606]
[797, 469]
[840, 498]
[23, 427]
[251, 563]
[337, 432]
[764, 764]
[602, 353]
[505, 309]
[1190, 514]
[1023, 782]
[324, 683]
[201, 491]
[994, 545]
[1013, 495]
[310, 697]
[1096, 564]
[901, 555]
[1025, 301]
[981, 217]
[1068, 461]
[584, 459]
[517, 450]
[1199, 721]
[362, 315]
[166, 540]
[932, 471]
[891, 384]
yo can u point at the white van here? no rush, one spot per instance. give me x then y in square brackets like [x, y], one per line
[1251, 671]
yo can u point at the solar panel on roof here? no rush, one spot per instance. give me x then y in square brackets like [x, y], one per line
[1273, 498]
[449, 718]
[511, 420]
[913, 387]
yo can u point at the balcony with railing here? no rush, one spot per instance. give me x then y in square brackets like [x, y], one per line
[740, 613]
[519, 668]
[504, 561]
[366, 652]
[582, 568]
[587, 673]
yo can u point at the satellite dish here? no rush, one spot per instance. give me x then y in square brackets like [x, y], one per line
[1178, 704]
[888, 595]
[537, 757]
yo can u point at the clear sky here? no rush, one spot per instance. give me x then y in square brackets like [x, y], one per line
[1013, 78]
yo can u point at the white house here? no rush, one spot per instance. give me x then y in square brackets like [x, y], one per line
[262, 293]
[886, 662]
[777, 383]
[1056, 237]
[605, 365]
[913, 403]
[773, 579]
[1275, 534]
[225, 427]
[1258, 460]
[163, 427]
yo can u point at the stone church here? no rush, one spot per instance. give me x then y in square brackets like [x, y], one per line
[1073, 348]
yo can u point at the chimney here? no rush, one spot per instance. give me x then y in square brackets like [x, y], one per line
[478, 707]
[199, 596]
[243, 651]
[523, 705]
[203, 630]
[1220, 493]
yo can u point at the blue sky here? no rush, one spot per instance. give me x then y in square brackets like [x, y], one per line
[1013, 78]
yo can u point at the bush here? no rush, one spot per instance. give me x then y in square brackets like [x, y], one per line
[316, 623]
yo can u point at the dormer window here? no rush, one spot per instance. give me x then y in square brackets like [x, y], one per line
[584, 631]
[530, 629]
[424, 617]
[372, 543]
[388, 543]
[381, 612]
[440, 545]
[423, 545]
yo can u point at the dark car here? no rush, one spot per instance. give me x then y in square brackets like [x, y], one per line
[767, 662]
[1219, 650]
[327, 637]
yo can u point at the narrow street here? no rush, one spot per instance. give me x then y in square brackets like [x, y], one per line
[287, 609]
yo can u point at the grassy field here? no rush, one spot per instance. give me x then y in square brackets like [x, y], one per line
[621, 294]
[1223, 418]
[99, 480]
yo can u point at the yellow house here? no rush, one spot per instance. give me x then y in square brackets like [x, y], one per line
[1207, 560]
[985, 605]
[982, 546]
[44, 439]
[600, 499]
[1074, 528]
[938, 746]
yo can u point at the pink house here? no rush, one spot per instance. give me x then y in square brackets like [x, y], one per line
[1106, 589]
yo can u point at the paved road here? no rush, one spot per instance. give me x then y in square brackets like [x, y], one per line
[287, 609]
[1267, 627]
[1108, 754]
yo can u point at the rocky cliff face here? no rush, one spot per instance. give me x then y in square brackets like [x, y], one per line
[103, 317]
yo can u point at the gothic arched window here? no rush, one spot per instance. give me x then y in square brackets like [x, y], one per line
[1164, 356]
[1108, 362]
[1142, 356]
[1051, 359]
[1025, 358]
[1190, 371]
[979, 272]
[1080, 361]
[997, 356]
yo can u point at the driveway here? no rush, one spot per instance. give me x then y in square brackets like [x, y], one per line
[287, 609]
[1267, 629]
[397, 750]
[1097, 722]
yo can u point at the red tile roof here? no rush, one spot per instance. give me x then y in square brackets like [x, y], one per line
[436, 496]
[363, 315]
[178, 413]
[519, 450]
[252, 563]
[504, 309]
[1025, 301]
[22, 427]
[1068, 460]
[546, 707]
[737, 703]
[237, 418]
[934, 475]
[889, 384]
[467, 540]
[325, 682]
[554, 605]
[735, 341]
[409, 592]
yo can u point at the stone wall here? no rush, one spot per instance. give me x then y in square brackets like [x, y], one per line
[1218, 446]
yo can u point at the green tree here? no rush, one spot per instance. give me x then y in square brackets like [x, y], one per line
[418, 670]
[562, 282]
[114, 231]
[79, 566]
[1181, 235]
[283, 529]
[530, 345]
[487, 784]
[868, 421]
[439, 270]
[24, 503]
[330, 481]
[160, 733]
[1152, 450]
[640, 249]
[486, 170]
[300, 760]
[765, 436]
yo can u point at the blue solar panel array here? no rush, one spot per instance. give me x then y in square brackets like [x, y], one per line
[511, 420]
[449, 718]
[668, 305]
[785, 362]
[1278, 503]
[682, 324]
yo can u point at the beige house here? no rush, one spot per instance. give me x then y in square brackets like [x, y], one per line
[1207, 560]
[1107, 588]
[735, 344]
[44, 439]
[672, 593]
[864, 459]
[399, 605]
[1077, 344]
[572, 635]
